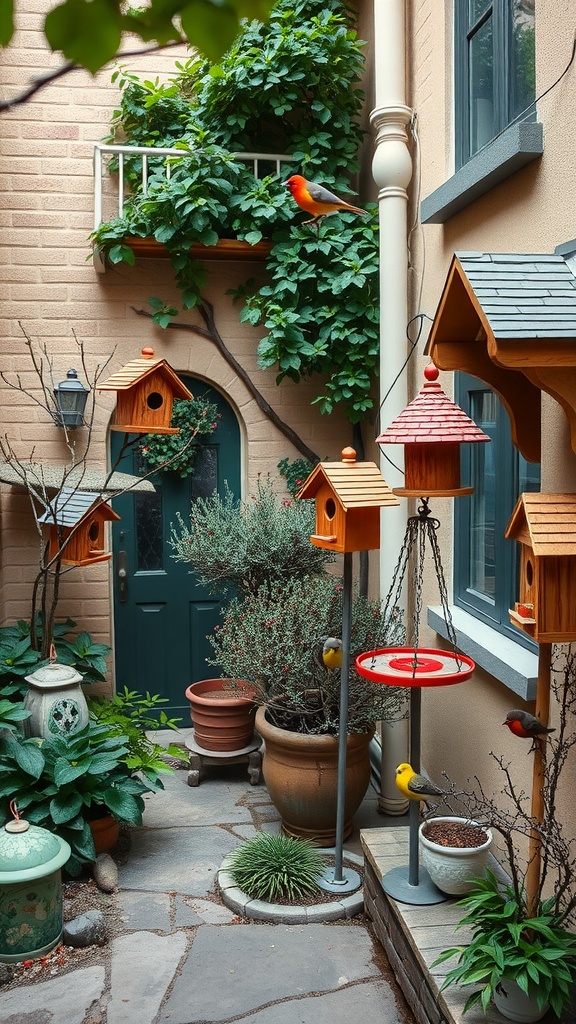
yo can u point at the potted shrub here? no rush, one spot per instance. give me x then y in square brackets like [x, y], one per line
[512, 955]
[283, 604]
[273, 638]
[454, 851]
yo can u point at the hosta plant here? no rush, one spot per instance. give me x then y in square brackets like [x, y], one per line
[538, 953]
[271, 867]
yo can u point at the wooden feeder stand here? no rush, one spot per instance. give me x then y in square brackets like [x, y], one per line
[146, 389]
[432, 428]
[77, 527]
[545, 527]
[348, 497]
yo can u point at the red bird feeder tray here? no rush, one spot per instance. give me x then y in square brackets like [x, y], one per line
[410, 666]
[432, 428]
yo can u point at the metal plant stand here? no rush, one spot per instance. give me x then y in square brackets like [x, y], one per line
[416, 667]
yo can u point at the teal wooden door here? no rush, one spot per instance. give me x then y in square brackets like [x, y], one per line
[161, 614]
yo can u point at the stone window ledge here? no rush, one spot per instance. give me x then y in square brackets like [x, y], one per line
[517, 146]
[509, 662]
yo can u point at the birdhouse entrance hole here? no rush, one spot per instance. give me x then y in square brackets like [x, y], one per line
[154, 400]
[330, 508]
[529, 573]
[94, 531]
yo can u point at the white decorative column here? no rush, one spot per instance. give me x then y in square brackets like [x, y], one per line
[392, 171]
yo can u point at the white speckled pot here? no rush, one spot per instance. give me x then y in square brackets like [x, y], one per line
[450, 867]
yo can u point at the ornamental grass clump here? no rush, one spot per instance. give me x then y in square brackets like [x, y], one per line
[271, 867]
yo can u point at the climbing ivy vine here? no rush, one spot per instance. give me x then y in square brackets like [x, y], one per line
[288, 86]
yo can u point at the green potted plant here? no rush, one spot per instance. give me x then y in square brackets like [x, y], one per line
[66, 783]
[525, 964]
[271, 637]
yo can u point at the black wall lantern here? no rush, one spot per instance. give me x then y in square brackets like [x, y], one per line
[70, 397]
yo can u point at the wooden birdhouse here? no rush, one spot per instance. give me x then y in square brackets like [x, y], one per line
[81, 517]
[432, 428]
[545, 527]
[146, 389]
[348, 496]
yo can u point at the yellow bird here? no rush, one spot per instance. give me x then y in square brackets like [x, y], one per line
[413, 786]
[332, 653]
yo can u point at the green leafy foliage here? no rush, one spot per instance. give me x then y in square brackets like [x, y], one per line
[238, 546]
[19, 658]
[538, 953]
[295, 472]
[62, 783]
[268, 867]
[176, 453]
[288, 86]
[89, 32]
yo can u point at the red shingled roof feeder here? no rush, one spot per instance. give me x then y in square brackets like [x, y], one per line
[432, 428]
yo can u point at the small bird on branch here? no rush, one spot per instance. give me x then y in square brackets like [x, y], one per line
[317, 200]
[414, 786]
[332, 653]
[525, 725]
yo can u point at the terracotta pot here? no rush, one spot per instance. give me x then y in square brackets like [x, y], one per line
[452, 868]
[301, 774]
[105, 832]
[221, 722]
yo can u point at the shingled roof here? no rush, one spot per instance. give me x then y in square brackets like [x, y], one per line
[356, 484]
[523, 296]
[550, 520]
[432, 418]
[138, 369]
[71, 506]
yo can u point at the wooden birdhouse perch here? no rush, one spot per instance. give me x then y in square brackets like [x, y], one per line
[77, 525]
[146, 389]
[348, 496]
[545, 527]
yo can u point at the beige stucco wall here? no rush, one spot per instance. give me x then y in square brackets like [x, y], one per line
[533, 211]
[49, 286]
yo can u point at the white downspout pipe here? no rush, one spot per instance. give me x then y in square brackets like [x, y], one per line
[392, 171]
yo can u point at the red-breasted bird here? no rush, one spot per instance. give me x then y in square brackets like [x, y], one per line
[316, 199]
[523, 724]
[413, 786]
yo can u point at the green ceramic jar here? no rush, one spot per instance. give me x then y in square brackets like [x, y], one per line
[31, 859]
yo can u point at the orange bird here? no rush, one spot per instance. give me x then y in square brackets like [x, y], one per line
[523, 724]
[316, 199]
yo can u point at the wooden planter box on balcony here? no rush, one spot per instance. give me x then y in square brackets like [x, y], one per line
[225, 249]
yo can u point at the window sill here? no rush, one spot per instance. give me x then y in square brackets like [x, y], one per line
[516, 147]
[510, 663]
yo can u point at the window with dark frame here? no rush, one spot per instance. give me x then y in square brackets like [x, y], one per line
[485, 563]
[494, 80]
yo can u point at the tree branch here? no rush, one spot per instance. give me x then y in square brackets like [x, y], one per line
[211, 333]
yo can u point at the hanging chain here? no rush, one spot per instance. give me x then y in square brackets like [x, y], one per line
[419, 529]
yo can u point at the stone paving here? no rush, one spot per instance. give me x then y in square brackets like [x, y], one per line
[184, 958]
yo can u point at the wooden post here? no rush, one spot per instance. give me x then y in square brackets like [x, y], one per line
[542, 713]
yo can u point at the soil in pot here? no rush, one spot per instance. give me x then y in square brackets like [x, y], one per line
[454, 851]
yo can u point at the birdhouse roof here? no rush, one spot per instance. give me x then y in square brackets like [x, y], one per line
[136, 372]
[70, 507]
[432, 418]
[355, 484]
[546, 521]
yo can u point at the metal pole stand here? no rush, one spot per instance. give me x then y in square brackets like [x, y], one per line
[337, 878]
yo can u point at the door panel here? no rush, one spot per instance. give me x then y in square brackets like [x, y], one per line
[161, 615]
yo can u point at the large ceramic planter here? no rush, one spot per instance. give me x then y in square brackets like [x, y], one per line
[452, 868]
[301, 774]
[221, 720]
[513, 1003]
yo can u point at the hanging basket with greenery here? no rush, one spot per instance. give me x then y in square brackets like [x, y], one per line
[176, 453]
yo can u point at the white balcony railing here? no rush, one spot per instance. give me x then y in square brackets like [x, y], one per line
[110, 192]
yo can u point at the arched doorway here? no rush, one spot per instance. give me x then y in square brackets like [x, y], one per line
[161, 615]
